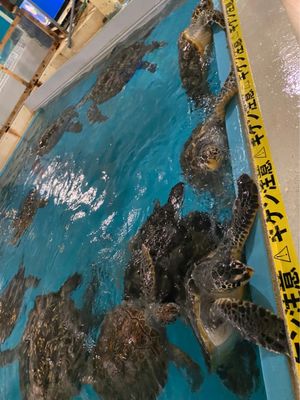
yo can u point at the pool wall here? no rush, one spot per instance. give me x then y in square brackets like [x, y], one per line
[275, 368]
[262, 289]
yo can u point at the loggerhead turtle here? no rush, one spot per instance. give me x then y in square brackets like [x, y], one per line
[11, 301]
[205, 159]
[215, 305]
[67, 122]
[131, 356]
[194, 48]
[118, 73]
[28, 209]
[52, 356]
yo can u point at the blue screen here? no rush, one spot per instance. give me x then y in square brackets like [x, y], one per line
[50, 7]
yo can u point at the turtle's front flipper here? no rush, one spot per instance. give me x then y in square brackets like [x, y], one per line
[216, 17]
[244, 211]
[8, 356]
[253, 322]
[71, 284]
[191, 370]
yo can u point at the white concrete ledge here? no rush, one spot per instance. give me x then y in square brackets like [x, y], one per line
[136, 14]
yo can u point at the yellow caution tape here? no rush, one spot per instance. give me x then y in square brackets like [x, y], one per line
[279, 234]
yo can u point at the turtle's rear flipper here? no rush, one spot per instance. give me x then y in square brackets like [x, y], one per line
[31, 281]
[253, 322]
[94, 115]
[191, 370]
[74, 127]
[239, 371]
[148, 66]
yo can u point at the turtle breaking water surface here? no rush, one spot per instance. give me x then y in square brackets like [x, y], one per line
[173, 242]
[194, 47]
[205, 156]
[215, 305]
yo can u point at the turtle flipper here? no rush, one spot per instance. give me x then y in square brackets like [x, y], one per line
[216, 17]
[239, 370]
[8, 356]
[94, 115]
[244, 211]
[190, 369]
[176, 196]
[71, 284]
[228, 277]
[31, 281]
[74, 127]
[147, 275]
[253, 322]
[228, 91]
[148, 66]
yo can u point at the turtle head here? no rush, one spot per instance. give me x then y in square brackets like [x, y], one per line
[230, 276]
[210, 158]
[176, 196]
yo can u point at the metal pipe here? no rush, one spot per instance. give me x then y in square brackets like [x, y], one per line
[71, 24]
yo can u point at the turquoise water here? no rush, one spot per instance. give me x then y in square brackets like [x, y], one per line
[101, 185]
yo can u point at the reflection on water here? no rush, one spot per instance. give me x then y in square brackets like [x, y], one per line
[100, 186]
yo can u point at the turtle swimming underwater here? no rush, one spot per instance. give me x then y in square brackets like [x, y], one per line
[205, 159]
[131, 356]
[28, 209]
[11, 301]
[67, 122]
[194, 48]
[52, 355]
[215, 305]
[118, 73]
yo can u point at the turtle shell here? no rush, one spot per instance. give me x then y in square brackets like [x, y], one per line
[130, 358]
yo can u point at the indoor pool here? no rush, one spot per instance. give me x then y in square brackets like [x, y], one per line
[99, 186]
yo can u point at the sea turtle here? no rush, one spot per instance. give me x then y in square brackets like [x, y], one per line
[52, 353]
[215, 304]
[27, 211]
[117, 74]
[173, 241]
[11, 301]
[67, 122]
[194, 47]
[131, 356]
[205, 159]
[160, 233]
